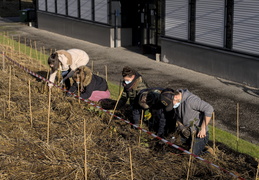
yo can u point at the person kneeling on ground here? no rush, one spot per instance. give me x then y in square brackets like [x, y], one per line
[90, 86]
[67, 61]
[161, 121]
[193, 116]
[133, 83]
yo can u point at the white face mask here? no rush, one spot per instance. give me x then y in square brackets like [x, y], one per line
[127, 82]
[176, 105]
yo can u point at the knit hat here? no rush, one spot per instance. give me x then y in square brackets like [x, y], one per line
[167, 97]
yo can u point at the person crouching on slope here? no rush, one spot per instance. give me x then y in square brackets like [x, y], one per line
[133, 83]
[67, 61]
[91, 86]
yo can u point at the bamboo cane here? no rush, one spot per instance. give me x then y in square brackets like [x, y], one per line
[257, 172]
[30, 102]
[25, 45]
[48, 128]
[190, 158]
[115, 106]
[106, 73]
[78, 89]
[19, 44]
[3, 61]
[30, 50]
[214, 134]
[85, 149]
[141, 120]
[45, 86]
[40, 57]
[92, 66]
[237, 125]
[131, 170]
[9, 93]
[36, 51]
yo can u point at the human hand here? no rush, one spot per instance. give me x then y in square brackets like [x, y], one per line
[50, 85]
[61, 82]
[202, 133]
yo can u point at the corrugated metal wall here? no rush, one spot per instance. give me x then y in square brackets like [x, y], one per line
[246, 26]
[210, 22]
[176, 18]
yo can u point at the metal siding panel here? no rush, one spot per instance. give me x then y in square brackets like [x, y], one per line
[101, 11]
[51, 6]
[73, 8]
[210, 22]
[42, 5]
[246, 26]
[86, 9]
[176, 18]
[61, 7]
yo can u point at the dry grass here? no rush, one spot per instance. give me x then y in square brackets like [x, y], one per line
[25, 154]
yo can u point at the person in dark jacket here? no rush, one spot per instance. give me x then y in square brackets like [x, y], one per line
[193, 114]
[133, 83]
[161, 121]
[91, 86]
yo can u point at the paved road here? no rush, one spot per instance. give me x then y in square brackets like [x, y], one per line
[222, 94]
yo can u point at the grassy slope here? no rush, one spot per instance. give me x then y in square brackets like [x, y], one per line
[221, 136]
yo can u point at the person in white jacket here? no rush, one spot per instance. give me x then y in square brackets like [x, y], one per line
[67, 61]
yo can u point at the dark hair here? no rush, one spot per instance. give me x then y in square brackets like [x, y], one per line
[127, 71]
[53, 60]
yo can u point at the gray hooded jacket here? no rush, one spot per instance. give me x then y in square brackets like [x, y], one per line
[192, 109]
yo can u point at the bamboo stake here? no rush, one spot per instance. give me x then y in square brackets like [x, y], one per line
[9, 94]
[131, 170]
[25, 45]
[3, 61]
[85, 149]
[190, 159]
[257, 172]
[40, 57]
[36, 50]
[106, 73]
[46, 78]
[30, 50]
[78, 89]
[19, 44]
[141, 120]
[237, 125]
[4, 109]
[214, 134]
[115, 106]
[30, 102]
[49, 116]
[92, 66]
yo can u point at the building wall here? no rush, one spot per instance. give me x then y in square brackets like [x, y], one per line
[228, 65]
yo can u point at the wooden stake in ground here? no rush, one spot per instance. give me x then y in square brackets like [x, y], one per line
[237, 124]
[106, 73]
[3, 61]
[47, 78]
[78, 89]
[131, 170]
[115, 106]
[85, 149]
[9, 93]
[213, 131]
[141, 120]
[190, 158]
[25, 45]
[19, 44]
[257, 172]
[92, 66]
[30, 102]
[36, 50]
[49, 116]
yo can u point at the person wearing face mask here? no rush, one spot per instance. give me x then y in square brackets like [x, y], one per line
[90, 86]
[133, 83]
[193, 116]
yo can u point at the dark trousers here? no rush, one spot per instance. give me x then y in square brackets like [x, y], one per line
[199, 143]
[67, 81]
